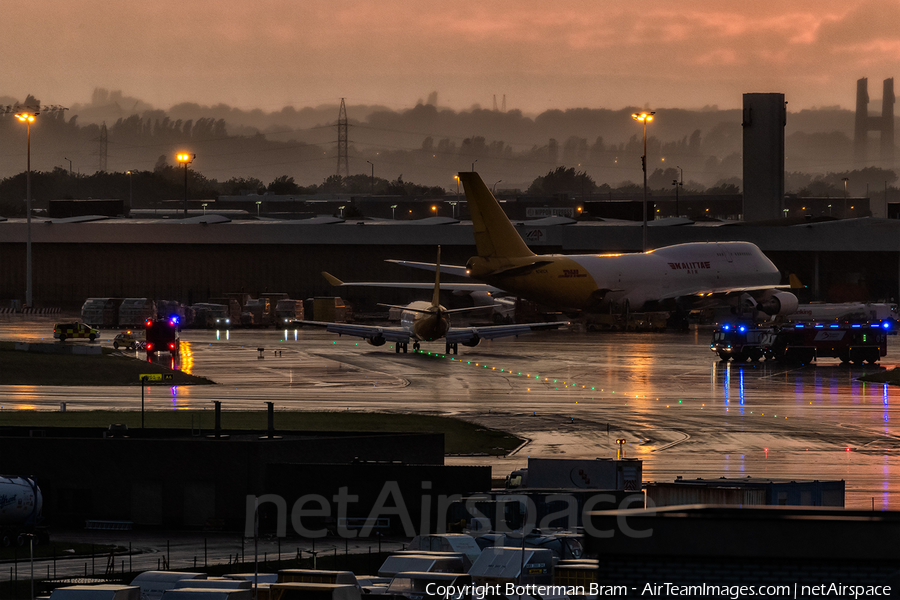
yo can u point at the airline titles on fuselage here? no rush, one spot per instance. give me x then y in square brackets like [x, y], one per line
[572, 273]
[690, 267]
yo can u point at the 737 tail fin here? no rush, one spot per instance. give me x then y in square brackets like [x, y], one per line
[495, 236]
[436, 296]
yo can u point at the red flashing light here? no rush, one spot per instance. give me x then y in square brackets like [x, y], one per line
[848, 449]
[172, 346]
[149, 346]
[149, 322]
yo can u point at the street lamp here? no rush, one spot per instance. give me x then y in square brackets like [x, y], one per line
[185, 158]
[494, 188]
[373, 176]
[70, 165]
[28, 119]
[204, 208]
[644, 117]
[473, 164]
[394, 211]
[258, 204]
[453, 204]
[845, 180]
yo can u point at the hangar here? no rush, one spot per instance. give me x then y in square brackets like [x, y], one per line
[203, 257]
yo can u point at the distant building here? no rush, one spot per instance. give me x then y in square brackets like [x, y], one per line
[764, 119]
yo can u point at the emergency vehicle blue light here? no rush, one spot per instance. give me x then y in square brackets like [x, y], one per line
[834, 325]
[886, 325]
[856, 326]
[726, 327]
[799, 326]
[818, 326]
[174, 318]
[742, 328]
[874, 325]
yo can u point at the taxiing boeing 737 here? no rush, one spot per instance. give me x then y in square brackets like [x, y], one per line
[616, 282]
[423, 321]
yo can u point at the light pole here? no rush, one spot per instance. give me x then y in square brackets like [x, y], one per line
[70, 165]
[130, 191]
[28, 119]
[258, 204]
[644, 117]
[373, 176]
[678, 184]
[394, 211]
[473, 164]
[845, 180]
[456, 177]
[494, 188]
[453, 204]
[186, 158]
[204, 208]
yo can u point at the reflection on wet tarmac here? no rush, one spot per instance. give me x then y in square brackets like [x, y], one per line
[684, 412]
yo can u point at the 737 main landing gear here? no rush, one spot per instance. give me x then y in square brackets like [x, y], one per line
[398, 346]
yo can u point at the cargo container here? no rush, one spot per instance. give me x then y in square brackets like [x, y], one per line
[134, 311]
[330, 309]
[747, 491]
[101, 312]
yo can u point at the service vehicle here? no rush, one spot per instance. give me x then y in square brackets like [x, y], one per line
[568, 473]
[75, 330]
[855, 342]
[742, 341]
[161, 335]
[126, 339]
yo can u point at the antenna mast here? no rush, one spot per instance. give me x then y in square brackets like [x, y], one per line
[343, 166]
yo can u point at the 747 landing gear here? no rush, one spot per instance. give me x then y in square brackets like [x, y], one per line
[416, 346]
[451, 349]
[398, 346]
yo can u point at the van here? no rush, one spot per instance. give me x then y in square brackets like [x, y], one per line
[313, 591]
[97, 592]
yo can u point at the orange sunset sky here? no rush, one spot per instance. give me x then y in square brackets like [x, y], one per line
[268, 54]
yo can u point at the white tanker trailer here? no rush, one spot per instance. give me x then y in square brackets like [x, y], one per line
[20, 509]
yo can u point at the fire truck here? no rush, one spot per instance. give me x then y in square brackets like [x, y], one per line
[161, 335]
[855, 342]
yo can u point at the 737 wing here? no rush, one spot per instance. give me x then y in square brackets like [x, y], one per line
[373, 334]
[470, 336]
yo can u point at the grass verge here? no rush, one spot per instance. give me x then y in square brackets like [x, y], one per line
[110, 368]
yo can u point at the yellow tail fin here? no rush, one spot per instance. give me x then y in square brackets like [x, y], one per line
[495, 236]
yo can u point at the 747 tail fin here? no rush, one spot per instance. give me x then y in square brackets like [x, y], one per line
[495, 236]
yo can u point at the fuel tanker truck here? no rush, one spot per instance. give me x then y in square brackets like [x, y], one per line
[20, 510]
